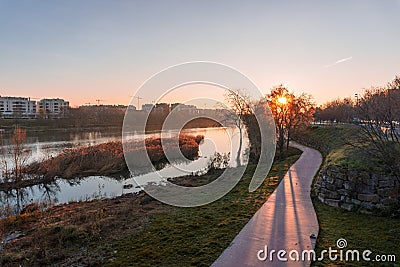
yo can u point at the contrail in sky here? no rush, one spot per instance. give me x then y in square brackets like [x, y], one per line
[339, 61]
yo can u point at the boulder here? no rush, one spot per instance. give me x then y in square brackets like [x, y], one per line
[332, 202]
[373, 198]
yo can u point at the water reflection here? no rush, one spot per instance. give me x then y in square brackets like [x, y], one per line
[63, 191]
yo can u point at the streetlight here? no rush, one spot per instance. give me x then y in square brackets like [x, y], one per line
[355, 109]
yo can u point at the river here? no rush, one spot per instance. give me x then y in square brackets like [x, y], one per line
[221, 140]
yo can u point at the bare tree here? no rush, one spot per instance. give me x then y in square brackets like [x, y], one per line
[239, 102]
[379, 111]
[14, 156]
[18, 152]
[338, 110]
[5, 172]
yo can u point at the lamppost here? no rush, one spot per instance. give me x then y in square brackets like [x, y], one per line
[356, 120]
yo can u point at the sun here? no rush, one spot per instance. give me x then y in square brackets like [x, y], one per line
[282, 100]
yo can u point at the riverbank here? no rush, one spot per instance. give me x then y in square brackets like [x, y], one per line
[133, 230]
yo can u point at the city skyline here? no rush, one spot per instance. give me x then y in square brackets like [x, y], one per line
[103, 50]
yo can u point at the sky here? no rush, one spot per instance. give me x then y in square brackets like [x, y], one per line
[87, 50]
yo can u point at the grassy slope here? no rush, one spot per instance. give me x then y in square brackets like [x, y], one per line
[378, 234]
[197, 236]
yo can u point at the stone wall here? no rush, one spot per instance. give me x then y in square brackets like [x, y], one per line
[356, 190]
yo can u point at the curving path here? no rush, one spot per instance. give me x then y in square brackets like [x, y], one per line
[285, 221]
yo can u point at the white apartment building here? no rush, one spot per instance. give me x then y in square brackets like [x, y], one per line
[17, 107]
[53, 106]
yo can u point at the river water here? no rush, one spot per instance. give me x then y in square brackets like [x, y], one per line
[221, 140]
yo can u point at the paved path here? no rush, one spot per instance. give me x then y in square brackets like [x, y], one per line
[285, 221]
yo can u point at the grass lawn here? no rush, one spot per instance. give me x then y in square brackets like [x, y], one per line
[381, 235]
[334, 142]
[197, 236]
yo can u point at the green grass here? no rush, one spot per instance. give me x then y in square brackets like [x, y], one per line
[331, 137]
[197, 236]
[334, 142]
[381, 235]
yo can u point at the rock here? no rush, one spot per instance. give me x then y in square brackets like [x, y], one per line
[382, 177]
[332, 202]
[348, 185]
[323, 190]
[343, 192]
[348, 200]
[351, 189]
[347, 206]
[369, 182]
[331, 187]
[380, 206]
[329, 179]
[332, 195]
[365, 189]
[341, 176]
[373, 198]
[333, 168]
[386, 183]
[389, 201]
[352, 176]
[339, 183]
[367, 205]
[388, 192]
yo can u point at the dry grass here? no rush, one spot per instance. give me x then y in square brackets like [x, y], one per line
[108, 158]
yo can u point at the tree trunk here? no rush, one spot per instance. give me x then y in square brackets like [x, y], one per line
[281, 141]
[239, 152]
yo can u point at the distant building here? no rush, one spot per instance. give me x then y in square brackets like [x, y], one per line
[162, 108]
[53, 108]
[17, 107]
[147, 107]
[191, 109]
[131, 108]
[104, 107]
